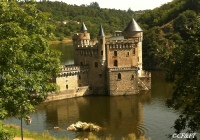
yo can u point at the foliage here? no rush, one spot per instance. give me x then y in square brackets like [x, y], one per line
[92, 15]
[183, 69]
[162, 26]
[94, 5]
[27, 64]
[172, 42]
[4, 133]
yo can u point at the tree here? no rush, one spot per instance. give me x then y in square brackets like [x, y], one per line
[183, 69]
[94, 5]
[27, 65]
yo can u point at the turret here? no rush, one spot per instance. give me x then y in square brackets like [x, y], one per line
[101, 46]
[83, 28]
[133, 31]
[82, 38]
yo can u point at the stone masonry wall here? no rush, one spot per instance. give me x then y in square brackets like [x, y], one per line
[70, 93]
[122, 82]
[124, 52]
[69, 82]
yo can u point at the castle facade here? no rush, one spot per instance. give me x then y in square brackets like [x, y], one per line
[106, 66]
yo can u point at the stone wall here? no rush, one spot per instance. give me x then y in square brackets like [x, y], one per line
[67, 82]
[70, 93]
[72, 77]
[122, 82]
[124, 53]
[96, 78]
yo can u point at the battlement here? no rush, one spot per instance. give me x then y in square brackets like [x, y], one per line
[84, 43]
[123, 69]
[129, 41]
[71, 70]
[87, 46]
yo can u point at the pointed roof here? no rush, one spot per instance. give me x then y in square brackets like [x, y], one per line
[133, 26]
[83, 27]
[101, 32]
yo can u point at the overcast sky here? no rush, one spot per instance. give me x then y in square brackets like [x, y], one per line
[135, 5]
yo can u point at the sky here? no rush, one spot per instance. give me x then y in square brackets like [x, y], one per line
[134, 5]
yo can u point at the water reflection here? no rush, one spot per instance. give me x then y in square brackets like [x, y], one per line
[118, 116]
[144, 113]
[67, 55]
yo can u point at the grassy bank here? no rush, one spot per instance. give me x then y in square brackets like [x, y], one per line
[65, 40]
[28, 135]
[15, 131]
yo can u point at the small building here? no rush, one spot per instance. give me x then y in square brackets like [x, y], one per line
[106, 66]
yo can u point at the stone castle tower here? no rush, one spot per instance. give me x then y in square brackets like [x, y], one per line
[106, 66]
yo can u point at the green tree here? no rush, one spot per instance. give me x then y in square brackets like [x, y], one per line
[94, 5]
[27, 65]
[183, 69]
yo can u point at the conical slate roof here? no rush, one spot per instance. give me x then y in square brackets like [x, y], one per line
[101, 32]
[133, 26]
[83, 27]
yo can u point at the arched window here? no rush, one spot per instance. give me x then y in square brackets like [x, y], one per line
[119, 76]
[66, 86]
[115, 63]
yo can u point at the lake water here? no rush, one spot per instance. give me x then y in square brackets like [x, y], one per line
[144, 113]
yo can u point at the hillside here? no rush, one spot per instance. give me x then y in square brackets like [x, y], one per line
[92, 15]
[163, 27]
[167, 26]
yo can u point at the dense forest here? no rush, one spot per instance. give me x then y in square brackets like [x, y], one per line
[167, 26]
[172, 43]
[67, 18]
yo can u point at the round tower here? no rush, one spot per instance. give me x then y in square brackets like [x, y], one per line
[82, 38]
[101, 46]
[133, 31]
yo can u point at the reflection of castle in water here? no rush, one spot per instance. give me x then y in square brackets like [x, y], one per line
[112, 67]
[119, 116]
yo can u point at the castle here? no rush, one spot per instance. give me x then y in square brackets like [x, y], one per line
[106, 66]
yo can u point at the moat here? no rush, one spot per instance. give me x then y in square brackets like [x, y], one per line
[143, 113]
